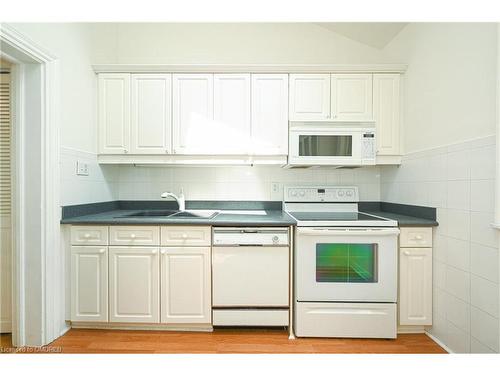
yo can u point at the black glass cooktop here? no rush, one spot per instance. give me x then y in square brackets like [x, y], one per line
[334, 216]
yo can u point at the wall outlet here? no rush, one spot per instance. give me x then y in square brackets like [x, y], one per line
[276, 191]
[82, 168]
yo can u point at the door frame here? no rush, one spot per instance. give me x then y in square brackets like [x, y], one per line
[37, 274]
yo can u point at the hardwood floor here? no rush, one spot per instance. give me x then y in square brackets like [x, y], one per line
[230, 341]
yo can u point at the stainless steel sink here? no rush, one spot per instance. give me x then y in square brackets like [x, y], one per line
[174, 214]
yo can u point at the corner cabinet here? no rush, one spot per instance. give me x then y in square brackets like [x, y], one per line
[415, 276]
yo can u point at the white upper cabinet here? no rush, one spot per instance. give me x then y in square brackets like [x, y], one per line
[351, 97]
[270, 114]
[114, 113]
[230, 131]
[186, 294]
[193, 113]
[386, 104]
[309, 97]
[134, 284]
[151, 113]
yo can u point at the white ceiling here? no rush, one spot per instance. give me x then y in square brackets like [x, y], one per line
[374, 34]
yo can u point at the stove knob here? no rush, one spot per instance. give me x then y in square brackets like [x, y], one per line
[293, 193]
[276, 239]
[340, 193]
[349, 193]
[302, 193]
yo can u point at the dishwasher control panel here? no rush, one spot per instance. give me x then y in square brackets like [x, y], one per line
[250, 236]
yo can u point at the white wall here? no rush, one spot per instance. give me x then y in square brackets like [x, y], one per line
[241, 43]
[449, 127]
[237, 183]
[450, 85]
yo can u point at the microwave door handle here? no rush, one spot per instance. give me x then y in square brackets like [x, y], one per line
[348, 232]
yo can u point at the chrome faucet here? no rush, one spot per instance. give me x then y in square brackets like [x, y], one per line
[181, 201]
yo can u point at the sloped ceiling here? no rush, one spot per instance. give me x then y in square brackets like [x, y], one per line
[374, 34]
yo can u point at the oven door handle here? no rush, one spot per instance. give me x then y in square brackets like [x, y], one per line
[365, 232]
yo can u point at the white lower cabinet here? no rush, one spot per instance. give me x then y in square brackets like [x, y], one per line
[415, 286]
[185, 285]
[134, 293]
[89, 284]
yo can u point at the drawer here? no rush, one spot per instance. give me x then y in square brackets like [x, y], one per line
[89, 235]
[415, 237]
[134, 235]
[186, 236]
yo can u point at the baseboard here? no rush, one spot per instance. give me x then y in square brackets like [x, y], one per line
[439, 342]
[411, 329]
[142, 326]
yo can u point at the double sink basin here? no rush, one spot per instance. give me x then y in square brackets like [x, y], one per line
[174, 214]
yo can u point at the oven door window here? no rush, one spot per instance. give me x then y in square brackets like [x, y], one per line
[346, 263]
[325, 145]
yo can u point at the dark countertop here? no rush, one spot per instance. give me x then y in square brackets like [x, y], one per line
[112, 213]
[405, 220]
[115, 217]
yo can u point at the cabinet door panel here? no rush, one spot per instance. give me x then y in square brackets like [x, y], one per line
[415, 286]
[386, 112]
[134, 284]
[185, 285]
[352, 97]
[270, 114]
[89, 284]
[114, 113]
[230, 133]
[193, 112]
[151, 122]
[309, 97]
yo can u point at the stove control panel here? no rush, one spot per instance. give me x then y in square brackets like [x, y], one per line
[321, 194]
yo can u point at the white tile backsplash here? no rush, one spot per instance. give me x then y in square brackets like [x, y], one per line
[458, 180]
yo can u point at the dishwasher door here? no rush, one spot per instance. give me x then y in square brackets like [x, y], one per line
[250, 276]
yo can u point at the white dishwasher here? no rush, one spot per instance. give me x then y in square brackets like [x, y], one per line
[250, 276]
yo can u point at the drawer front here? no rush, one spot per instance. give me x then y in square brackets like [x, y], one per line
[186, 236]
[89, 235]
[415, 237]
[134, 235]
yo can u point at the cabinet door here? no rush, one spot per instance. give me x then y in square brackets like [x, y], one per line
[309, 97]
[185, 285]
[193, 113]
[151, 122]
[415, 286]
[134, 284]
[89, 284]
[270, 114]
[230, 133]
[114, 113]
[352, 97]
[386, 112]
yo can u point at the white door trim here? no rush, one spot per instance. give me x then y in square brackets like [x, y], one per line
[38, 315]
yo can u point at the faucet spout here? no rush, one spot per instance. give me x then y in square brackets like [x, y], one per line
[181, 201]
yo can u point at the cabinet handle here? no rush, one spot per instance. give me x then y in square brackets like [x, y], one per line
[101, 251]
[163, 251]
[154, 252]
[86, 235]
[406, 252]
[166, 151]
[184, 235]
[418, 237]
[125, 151]
[132, 236]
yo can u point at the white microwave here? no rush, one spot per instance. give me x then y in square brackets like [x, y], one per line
[332, 145]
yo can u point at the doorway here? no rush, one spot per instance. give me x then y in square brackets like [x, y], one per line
[5, 204]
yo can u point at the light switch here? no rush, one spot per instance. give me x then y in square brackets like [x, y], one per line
[82, 168]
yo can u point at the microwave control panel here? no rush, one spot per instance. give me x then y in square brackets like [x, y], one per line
[368, 143]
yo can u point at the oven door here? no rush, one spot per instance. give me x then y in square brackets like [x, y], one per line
[346, 264]
[325, 147]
